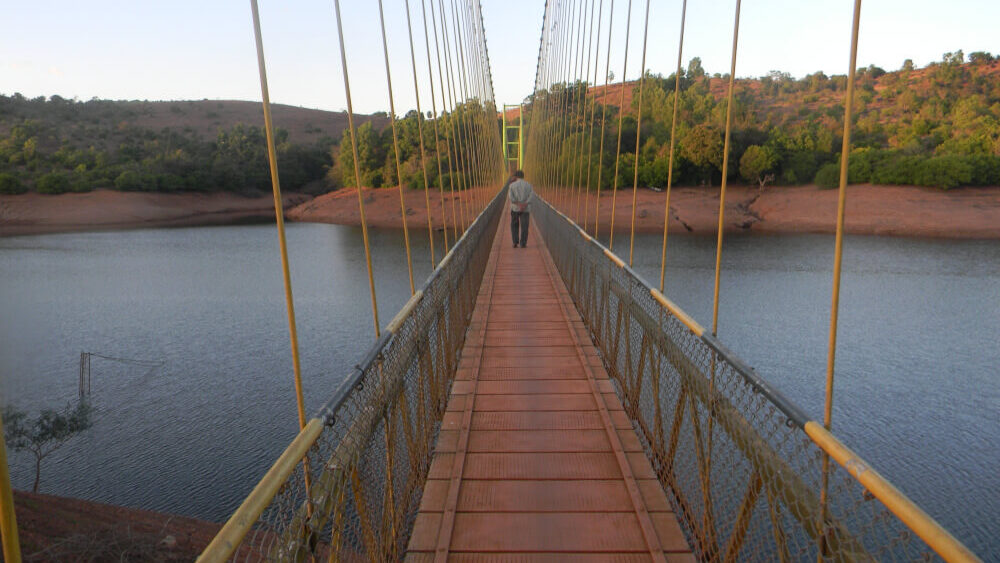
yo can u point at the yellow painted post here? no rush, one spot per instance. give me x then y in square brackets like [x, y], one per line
[520, 140]
[8, 522]
[510, 155]
[504, 118]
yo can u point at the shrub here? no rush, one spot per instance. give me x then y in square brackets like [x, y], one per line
[132, 181]
[895, 169]
[799, 166]
[53, 183]
[861, 165]
[943, 172]
[10, 184]
[985, 170]
[828, 176]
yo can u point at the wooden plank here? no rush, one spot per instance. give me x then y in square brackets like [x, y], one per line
[539, 440]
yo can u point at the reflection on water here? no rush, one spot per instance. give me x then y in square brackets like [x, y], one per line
[917, 363]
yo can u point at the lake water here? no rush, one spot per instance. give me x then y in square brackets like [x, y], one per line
[918, 364]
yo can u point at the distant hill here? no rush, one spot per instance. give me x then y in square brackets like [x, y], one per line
[933, 126]
[57, 145]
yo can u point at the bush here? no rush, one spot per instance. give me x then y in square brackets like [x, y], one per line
[799, 166]
[985, 170]
[132, 181]
[10, 184]
[828, 176]
[895, 170]
[943, 172]
[53, 183]
[861, 165]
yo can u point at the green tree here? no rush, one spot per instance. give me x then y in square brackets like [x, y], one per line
[695, 70]
[702, 146]
[981, 57]
[45, 434]
[757, 163]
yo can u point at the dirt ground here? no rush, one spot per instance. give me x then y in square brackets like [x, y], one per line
[871, 210]
[64, 529]
[31, 213]
[383, 210]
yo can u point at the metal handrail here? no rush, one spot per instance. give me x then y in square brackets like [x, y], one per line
[918, 521]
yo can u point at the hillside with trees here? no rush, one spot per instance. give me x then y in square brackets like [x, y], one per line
[935, 126]
[56, 145]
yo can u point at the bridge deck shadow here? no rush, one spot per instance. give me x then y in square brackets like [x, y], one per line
[536, 459]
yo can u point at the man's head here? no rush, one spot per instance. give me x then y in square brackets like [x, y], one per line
[519, 173]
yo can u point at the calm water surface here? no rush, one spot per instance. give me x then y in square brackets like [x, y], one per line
[917, 389]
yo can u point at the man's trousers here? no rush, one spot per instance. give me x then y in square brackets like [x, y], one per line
[519, 224]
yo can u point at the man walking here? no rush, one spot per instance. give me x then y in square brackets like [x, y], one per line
[520, 196]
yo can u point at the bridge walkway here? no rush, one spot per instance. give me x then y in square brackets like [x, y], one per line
[536, 457]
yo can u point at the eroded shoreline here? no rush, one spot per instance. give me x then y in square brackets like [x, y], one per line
[963, 213]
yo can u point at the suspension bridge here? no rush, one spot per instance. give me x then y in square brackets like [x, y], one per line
[548, 403]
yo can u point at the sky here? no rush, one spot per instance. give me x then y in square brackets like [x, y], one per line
[181, 50]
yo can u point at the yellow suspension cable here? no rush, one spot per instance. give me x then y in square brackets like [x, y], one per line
[434, 116]
[845, 152]
[476, 173]
[673, 138]
[574, 73]
[621, 115]
[455, 116]
[464, 133]
[279, 216]
[725, 173]
[604, 119]
[578, 180]
[564, 111]
[593, 110]
[551, 109]
[444, 109]
[476, 46]
[8, 518]
[718, 250]
[272, 159]
[638, 130]
[535, 109]
[420, 135]
[464, 121]
[357, 170]
[556, 108]
[395, 150]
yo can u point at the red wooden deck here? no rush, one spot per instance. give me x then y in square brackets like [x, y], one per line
[536, 459]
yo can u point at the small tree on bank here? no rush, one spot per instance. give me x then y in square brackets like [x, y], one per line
[45, 434]
[757, 163]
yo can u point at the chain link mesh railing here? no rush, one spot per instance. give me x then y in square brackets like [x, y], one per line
[348, 487]
[744, 477]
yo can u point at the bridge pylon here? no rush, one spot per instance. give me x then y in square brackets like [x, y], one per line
[513, 147]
